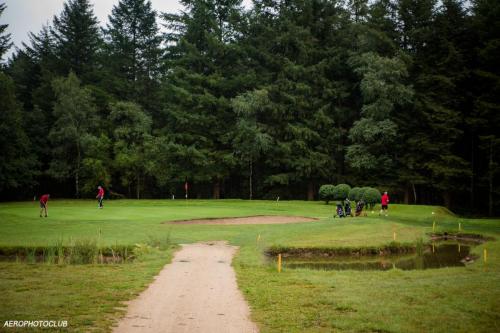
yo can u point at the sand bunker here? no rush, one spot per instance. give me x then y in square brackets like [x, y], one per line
[248, 220]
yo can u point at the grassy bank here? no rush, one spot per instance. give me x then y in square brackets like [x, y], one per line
[439, 300]
[89, 297]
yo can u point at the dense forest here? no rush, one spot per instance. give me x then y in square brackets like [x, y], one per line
[273, 100]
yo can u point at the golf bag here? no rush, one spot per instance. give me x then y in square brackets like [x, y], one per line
[347, 208]
[339, 212]
[359, 207]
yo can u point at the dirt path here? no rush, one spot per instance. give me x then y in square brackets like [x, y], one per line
[259, 219]
[197, 292]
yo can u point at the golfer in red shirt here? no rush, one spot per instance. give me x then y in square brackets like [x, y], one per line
[43, 204]
[100, 196]
[385, 203]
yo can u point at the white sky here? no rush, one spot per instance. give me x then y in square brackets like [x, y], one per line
[24, 16]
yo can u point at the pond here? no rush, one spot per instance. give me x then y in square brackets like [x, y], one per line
[434, 256]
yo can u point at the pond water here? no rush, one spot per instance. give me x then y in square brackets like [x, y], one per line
[437, 256]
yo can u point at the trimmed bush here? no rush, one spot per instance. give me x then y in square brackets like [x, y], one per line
[326, 193]
[371, 196]
[341, 192]
[355, 194]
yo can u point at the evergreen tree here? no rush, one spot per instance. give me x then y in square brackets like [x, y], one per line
[133, 52]
[204, 74]
[250, 139]
[486, 90]
[33, 69]
[297, 53]
[436, 117]
[75, 119]
[16, 160]
[77, 38]
[5, 42]
[131, 132]
[373, 136]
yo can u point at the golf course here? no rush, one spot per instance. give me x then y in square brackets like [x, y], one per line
[37, 284]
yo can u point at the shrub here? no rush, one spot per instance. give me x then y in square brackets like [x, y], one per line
[326, 192]
[371, 196]
[341, 192]
[355, 194]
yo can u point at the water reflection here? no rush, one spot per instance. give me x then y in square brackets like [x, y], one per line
[437, 256]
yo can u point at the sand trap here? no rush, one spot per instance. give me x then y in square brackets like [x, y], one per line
[249, 220]
[197, 292]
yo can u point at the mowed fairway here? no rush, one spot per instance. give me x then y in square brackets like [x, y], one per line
[89, 296]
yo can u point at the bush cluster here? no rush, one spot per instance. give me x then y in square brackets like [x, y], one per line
[369, 195]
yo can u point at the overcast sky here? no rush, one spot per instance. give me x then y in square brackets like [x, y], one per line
[24, 16]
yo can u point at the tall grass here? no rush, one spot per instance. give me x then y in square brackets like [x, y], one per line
[74, 252]
[83, 252]
[162, 242]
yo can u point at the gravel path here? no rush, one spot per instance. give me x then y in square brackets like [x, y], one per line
[197, 292]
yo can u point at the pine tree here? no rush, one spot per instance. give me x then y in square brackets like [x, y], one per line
[5, 42]
[486, 90]
[298, 56]
[204, 74]
[437, 69]
[16, 160]
[77, 38]
[133, 52]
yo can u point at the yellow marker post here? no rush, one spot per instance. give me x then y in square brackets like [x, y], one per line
[485, 255]
[258, 238]
[279, 263]
[433, 226]
[459, 226]
[458, 247]
[433, 249]
[394, 235]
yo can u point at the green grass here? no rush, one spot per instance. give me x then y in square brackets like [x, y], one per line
[442, 300]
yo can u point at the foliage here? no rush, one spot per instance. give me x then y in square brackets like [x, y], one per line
[327, 193]
[16, 160]
[341, 192]
[371, 196]
[5, 42]
[77, 39]
[132, 45]
[75, 119]
[131, 133]
[267, 101]
[355, 194]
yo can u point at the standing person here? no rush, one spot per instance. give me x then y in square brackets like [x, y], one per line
[385, 203]
[44, 199]
[100, 196]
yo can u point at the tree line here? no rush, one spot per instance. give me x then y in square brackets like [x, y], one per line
[269, 101]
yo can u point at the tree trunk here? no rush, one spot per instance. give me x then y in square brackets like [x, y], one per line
[216, 189]
[414, 193]
[407, 196]
[310, 191]
[250, 180]
[472, 174]
[447, 199]
[138, 189]
[490, 181]
[77, 171]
